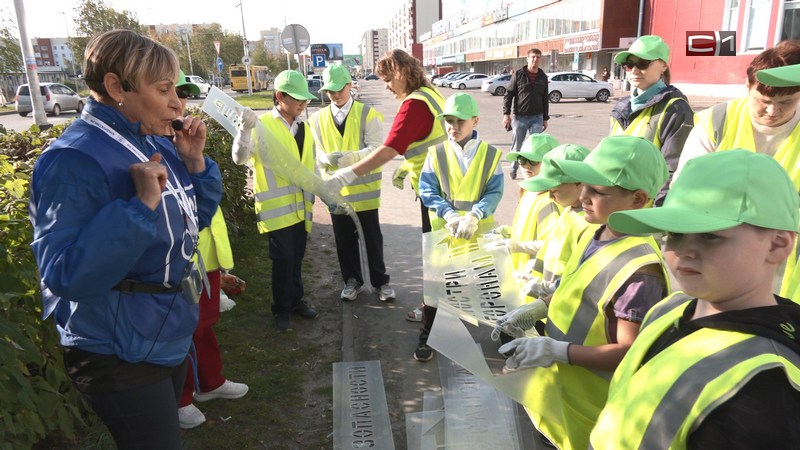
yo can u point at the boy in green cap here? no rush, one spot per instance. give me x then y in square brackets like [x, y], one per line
[283, 208]
[345, 132]
[536, 211]
[717, 365]
[610, 282]
[461, 184]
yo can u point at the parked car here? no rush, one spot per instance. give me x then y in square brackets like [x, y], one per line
[445, 78]
[56, 98]
[471, 81]
[315, 76]
[449, 83]
[578, 85]
[496, 85]
[313, 88]
[201, 83]
[371, 76]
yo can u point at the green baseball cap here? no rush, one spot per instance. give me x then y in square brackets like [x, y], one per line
[293, 83]
[784, 76]
[534, 148]
[460, 105]
[335, 78]
[193, 88]
[754, 189]
[648, 47]
[551, 176]
[630, 162]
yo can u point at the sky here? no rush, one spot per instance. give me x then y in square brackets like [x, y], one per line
[45, 18]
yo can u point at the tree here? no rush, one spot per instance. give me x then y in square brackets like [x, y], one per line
[10, 52]
[96, 16]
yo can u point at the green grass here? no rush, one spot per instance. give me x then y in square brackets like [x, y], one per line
[7, 108]
[262, 100]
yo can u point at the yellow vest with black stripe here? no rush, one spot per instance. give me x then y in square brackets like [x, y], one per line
[535, 214]
[647, 124]
[279, 202]
[213, 244]
[728, 126]
[364, 193]
[462, 190]
[417, 151]
[562, 238]
[707, 368]
[573, 394]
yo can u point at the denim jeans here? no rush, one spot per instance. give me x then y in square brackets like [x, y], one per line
[520, 127]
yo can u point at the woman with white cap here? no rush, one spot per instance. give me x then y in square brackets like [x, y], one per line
[655, 110]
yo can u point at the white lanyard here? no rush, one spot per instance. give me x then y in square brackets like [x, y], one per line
[180, 194]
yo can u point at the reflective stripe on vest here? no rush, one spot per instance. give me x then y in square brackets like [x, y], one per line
[643, 124]
[532, 218]
[658, 404]
[417, 151]
[278, 202]
[365, 192]
[462, 190]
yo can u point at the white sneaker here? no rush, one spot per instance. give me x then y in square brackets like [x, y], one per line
[351, 290]
[229, 390]
[386, 293]
[225, 302]
[189, 417]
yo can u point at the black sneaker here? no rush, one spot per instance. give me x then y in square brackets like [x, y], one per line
[423, 353]
[305, 311]
[282, 322]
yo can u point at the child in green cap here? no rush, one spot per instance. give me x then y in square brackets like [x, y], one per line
[611, 280]
[536, 211]
[461, 184]
[717, 365]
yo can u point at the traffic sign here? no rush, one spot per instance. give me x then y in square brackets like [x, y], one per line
[318, 60]
[246, 60]
[220, 66]
[295, 38]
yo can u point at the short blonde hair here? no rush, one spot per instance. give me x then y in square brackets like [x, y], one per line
[131, 56]
[399, 61]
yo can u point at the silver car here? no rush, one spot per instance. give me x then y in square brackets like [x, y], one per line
[497, 85]
[577, 85]
[56, 98]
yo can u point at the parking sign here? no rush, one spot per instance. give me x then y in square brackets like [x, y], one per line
[318, 60]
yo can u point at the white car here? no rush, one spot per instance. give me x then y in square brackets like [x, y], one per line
[471, 81]
[577, 85]
[441, 81]
[496, 85]
[200, 82]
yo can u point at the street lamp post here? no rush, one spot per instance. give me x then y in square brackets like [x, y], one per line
[246, 51]
[69, 44]
[185, 33]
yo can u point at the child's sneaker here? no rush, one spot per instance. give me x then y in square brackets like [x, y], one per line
[423, 353]
[351, 289]
[386, 293]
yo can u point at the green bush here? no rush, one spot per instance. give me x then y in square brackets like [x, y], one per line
[37, 400]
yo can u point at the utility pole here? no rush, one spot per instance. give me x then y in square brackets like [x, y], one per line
[69, 38]
[246, 58]
[185, 33]
[39, 116]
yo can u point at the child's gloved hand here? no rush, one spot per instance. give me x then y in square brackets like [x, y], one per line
[452, 220]
[467, 226]
[399, 176]
[520, 320]
[540, 351]
[350, 158]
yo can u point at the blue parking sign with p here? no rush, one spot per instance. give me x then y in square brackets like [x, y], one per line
[318, 60]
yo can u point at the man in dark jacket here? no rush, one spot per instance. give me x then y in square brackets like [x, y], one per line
[527, 91]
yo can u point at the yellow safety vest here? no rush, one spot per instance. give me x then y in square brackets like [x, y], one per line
[536, 212]
[364, 193]
[214, 246]
[462, 190]
[575, 395]
[647, 124]
[279, 202]
[417, 151]
[562, 238]
[728, 126]
[706, 367]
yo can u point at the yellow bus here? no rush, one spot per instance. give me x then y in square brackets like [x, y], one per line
[259, 77]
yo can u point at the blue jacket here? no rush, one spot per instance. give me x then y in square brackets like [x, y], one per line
[91, 232]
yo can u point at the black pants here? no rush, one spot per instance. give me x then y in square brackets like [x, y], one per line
[287, 247]
[346, 235]
[145, 417]
[426, 219]
[428, 312]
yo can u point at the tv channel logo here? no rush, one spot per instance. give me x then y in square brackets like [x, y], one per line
[710, 43]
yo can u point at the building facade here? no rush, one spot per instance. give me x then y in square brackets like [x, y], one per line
[413, 20]
[374, 43]
[272, 40]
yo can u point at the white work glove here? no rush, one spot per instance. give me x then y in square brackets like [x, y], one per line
[242, 142]
[350, 158]
[539, 288]
[502, 230]
[399, 176]
[340, 179]
[530, 352]
[515, 323]
[467, 226]
[453, 219]
[528, 247]
[333, 158]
